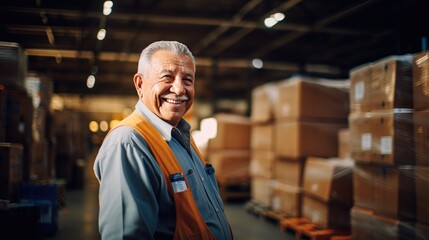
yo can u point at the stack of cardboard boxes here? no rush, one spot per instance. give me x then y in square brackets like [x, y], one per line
[307, 115]
[383, 124]
[421, 138]
[229, 153]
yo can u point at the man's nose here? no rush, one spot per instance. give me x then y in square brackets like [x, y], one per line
[178, 87]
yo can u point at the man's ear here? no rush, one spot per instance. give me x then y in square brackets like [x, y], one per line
[138, 84]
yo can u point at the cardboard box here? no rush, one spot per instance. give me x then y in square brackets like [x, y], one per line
[421, 80]
[360, 79]
[301, 98]
[344, 144]
[363, 186]
[230, 164]
[233, 132]
[422, 190]
[367, 225]
[329, 180]
[295, 139]
[262, 163]
[421, 137]
[261, 190]
[289, 171]
[11, 170]
[391, 83]
[385, 137]
[326, 215]
[13, 64]
[262, 137]
[286, 199]
[264, 98]
[393, 189]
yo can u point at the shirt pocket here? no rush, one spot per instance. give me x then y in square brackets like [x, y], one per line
[196, 185]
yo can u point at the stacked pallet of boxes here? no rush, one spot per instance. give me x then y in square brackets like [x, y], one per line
[309, 114]
[229, 154]
[40, 89]
[262, 143]
[15, 121]
[71, 147]
[421, 137]
[382, 144]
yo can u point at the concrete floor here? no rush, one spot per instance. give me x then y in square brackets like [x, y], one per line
[78, 220]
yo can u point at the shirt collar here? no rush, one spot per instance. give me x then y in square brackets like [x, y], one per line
[163, 127]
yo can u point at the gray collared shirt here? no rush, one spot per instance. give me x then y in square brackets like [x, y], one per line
[134, 200]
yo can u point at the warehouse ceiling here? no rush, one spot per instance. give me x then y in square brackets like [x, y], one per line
[317, 38]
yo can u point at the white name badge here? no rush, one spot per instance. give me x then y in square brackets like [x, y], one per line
[178, 182]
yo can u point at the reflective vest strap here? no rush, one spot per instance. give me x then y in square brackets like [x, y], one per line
[189, 222]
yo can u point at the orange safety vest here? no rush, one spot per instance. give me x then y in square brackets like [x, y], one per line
[189, 222]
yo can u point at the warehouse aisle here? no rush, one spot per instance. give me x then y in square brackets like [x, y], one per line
[78, 220]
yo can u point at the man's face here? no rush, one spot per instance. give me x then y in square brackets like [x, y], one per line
[168, 87]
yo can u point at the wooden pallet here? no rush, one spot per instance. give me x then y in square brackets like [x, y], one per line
[275, 216]
[303, 228]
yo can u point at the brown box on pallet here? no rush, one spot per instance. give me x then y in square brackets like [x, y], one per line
[363, 186]
[367, 225]
[384, 137]
[262, 137]
[262, 163]
[344, 144]
[325, 214]
[230, 164]
[233, 132]
[11, 170]
[289, 171]
[360, 79]
[393, 189]
[264, 98]
[329, 180]
[421, 137]
[286, 199]
[261, 190]
[422, 190]
[391, 83]
[312, 98]
[295, 139]
[421, 80]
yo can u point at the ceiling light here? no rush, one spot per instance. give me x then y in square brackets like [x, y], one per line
[101, 34]
[107, 7]
[90, 81]
[273, 19]
[257, 63]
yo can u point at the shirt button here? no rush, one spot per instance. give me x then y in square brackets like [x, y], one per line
[217, 209]
[202, 179]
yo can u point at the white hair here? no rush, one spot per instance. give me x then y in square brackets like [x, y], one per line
[172, 46]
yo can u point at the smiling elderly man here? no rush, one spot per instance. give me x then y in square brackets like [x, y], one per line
[154, 183]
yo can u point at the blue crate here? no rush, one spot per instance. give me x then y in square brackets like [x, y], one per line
[43, 196]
